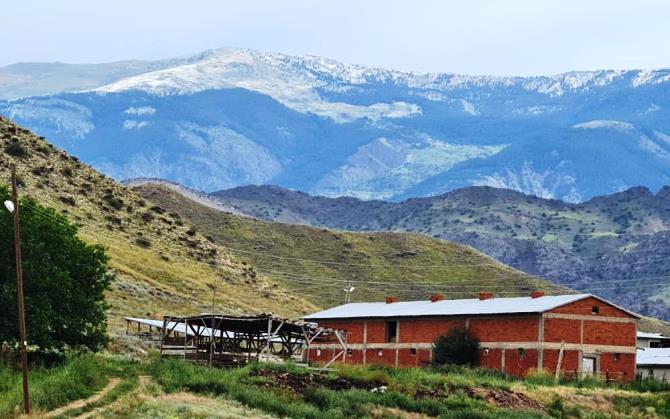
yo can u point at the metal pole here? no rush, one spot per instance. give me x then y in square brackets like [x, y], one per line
[19, 289]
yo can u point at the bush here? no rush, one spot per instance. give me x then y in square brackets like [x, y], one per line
[143, 242]
[16, 149]
[457, 346]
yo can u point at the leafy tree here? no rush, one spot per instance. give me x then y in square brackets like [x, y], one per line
[457, 347]
[64, 281]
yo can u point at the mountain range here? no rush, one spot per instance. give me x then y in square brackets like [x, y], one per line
[232, 117]
[617, 246]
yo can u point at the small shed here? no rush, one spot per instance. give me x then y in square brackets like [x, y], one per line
[652, 340]
[654, 362]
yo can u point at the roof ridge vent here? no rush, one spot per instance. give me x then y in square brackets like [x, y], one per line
[537, 294]
[391, 300]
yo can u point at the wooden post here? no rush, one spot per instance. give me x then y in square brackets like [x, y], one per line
[269, 340]
[19, 291]
[560, 361]
[185, 336]
[163, 330]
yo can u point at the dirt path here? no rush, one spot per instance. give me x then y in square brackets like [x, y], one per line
[78, 404]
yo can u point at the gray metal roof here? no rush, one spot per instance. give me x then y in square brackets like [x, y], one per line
[653, 356]
[646, 335]
[461, 307]
[175, 326]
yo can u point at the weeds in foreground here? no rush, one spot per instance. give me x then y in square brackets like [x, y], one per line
[293, 391]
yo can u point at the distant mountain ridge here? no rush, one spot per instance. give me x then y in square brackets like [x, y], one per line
[615, 245]
[231, 117]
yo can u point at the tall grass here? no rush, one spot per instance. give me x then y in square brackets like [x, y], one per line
[319, 402]
[78, 377]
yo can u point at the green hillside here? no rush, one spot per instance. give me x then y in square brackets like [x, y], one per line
[317, 264]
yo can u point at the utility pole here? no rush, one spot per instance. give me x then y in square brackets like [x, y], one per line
[19, 290]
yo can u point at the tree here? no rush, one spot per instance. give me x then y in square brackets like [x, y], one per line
[457, 347]
[64, 281]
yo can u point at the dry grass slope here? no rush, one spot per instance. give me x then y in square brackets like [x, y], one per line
[162, 265]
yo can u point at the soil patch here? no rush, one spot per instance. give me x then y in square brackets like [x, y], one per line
[509, 399]
[299, 382]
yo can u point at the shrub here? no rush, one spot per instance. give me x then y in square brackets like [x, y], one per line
[143, 242]
[16, 149]
[457, 346]
[113, 201]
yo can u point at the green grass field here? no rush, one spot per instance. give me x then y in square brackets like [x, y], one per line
[153, 388]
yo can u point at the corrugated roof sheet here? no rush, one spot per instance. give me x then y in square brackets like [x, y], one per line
[653, 356]
[177, 327]
[461, 307]
[646, 335]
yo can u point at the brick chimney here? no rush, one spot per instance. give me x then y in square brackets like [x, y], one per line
[391, 300]
[537, 294]
[485, 295]
[436, 297]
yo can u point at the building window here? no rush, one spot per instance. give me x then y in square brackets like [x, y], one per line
[617, 357]
[412, 351]
[595, 310]
[391, 331]
[318, 352]
[655, 344]
[486, 351]
[350, 352]
[522, 352]
[380, 352]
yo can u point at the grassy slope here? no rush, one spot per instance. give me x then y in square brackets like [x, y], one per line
[171, 275]
[379, 264]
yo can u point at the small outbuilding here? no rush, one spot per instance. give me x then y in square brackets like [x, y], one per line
[576, 334]
[654, 362]
[652, 340]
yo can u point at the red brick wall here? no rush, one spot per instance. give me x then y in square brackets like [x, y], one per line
[376, 331]
[519, 365]
[406, 359]
[354, 329]
[502, 329]
[583, 307]
[387, 358]
[426, 330]
[570, 361]
[491, 360]
[325, 355]
[625, 364]
[562, 330]
[609, 333]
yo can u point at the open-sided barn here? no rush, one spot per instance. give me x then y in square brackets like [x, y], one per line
[576, 333]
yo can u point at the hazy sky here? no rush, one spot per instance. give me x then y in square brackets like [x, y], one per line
[504, 37]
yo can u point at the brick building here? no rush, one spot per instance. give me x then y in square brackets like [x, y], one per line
[578, 333]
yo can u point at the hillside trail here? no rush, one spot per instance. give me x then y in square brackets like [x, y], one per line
[78, 404]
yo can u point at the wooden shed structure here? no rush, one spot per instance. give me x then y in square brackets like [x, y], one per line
[227, 341]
